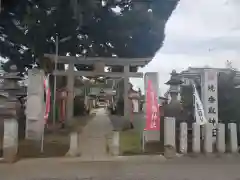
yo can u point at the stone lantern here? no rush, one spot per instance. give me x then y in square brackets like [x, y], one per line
[173, 109]
[9, 90]
[174, 84]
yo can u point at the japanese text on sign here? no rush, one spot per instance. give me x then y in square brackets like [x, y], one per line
[210, 98]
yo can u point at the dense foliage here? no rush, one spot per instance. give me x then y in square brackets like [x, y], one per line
[123, 28]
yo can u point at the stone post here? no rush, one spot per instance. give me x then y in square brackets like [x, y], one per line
[169, 137]
[196, 146]
[208, 138]
[10, 140]
[115, 143]
[221, 145]
[74, 145]
[233, 137]
[183, 138]
[35, 106]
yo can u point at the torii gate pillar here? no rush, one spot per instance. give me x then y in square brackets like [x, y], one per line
[126, 88]
[70, 87]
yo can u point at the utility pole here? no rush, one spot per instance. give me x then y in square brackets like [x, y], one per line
[55, 82]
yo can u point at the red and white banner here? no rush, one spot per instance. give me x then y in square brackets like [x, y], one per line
[152, 110]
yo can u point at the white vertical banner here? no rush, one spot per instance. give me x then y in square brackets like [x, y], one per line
[210, 97]
[198, 108]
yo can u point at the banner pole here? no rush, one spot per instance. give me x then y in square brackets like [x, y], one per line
[42, 142]
[143, 141]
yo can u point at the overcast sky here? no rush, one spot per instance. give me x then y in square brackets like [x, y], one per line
[199, 33]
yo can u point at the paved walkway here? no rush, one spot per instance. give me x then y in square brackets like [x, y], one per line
[191, 169]
[93, 137]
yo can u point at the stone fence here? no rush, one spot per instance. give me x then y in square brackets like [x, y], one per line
[189, 139]
[201, 139]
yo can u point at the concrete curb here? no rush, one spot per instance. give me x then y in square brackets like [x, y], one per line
[129, 159]
[140, 158]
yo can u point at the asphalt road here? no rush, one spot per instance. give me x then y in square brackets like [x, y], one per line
[179, 169]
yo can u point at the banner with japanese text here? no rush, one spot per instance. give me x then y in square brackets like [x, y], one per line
[210, 97]
[152, 109]
[198, 108]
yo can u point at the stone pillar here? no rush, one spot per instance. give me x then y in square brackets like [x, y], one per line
[70, 88]
[183, 147]
[169, 137]
[35, 106]
[10, 140]
[221, 145]
[126, 88]
[74, 145]
[233, 137]
[115, 143]
[169, 131]
[208, 138]
[196, 147]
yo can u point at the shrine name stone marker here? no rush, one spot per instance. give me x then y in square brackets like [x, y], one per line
[35, 105]
[210, 98]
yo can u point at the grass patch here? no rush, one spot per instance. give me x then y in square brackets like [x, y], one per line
[130, 142]
[55, 145]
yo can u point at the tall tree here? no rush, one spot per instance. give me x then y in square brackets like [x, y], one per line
[123, 28]
[28, 30]
[228, 100]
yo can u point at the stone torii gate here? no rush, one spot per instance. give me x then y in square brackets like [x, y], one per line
[99, 64]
